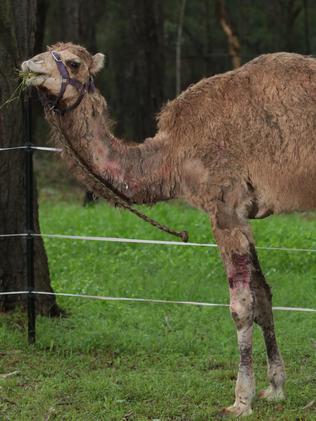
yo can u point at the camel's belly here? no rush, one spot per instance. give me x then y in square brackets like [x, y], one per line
[287, 191]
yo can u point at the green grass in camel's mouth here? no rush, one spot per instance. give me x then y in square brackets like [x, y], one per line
[24, 76]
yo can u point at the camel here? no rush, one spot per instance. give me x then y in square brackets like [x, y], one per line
[239, 145]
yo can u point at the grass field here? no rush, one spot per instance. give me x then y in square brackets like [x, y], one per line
[127, 361]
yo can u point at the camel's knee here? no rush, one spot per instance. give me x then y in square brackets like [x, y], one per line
[241, 306]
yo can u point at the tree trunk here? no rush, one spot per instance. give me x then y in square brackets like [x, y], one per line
[178, 47]
[75, 21]
[292, 12]
[144, 74]
[228, 28]
[41, 15]
[17, 40]
[306, 28]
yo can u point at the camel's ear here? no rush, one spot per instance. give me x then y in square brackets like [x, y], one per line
[98, 63]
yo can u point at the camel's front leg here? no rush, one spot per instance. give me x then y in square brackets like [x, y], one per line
[242, 311]
[234, 239]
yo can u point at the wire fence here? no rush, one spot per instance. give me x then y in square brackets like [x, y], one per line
[145, 241]
[32, 147]
[30, 235]
[147, 300]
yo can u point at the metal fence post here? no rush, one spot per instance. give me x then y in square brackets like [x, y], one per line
[29, 186]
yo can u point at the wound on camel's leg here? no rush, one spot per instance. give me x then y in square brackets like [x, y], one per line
[234, 238]
[241, 307]
[264, 318]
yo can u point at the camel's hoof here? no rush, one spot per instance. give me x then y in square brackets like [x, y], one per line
[237, 411]
[272, 394]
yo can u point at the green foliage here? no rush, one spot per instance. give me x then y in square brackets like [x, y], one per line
[107, 361]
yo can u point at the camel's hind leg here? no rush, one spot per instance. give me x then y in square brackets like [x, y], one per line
[264, 318]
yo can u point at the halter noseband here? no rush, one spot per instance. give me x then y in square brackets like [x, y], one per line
[66, 80]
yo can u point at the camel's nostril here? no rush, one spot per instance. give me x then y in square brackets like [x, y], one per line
[24, 66]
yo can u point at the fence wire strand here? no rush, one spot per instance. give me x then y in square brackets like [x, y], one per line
[33, 147]
[147, 300]
[142, 241]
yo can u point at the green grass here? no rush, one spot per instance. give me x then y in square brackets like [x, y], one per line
[128, 361]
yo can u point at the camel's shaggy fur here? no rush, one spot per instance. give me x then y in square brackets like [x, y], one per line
[239, 145]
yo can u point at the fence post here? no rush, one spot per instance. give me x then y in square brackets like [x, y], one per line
[29, 186]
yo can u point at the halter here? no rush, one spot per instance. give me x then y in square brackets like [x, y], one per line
[82, 88]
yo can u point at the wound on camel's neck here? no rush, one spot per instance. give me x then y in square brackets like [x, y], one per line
[239, 273]
[141, 172]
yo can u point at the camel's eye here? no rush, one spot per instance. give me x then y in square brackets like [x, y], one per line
[73, 64]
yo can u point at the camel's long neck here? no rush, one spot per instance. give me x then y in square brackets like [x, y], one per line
[141, 172]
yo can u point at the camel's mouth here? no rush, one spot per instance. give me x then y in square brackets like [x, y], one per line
[34, 79]
[32, 74]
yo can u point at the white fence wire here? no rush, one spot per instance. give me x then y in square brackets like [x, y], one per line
[144, 241]
[147, 300]
[33, 147]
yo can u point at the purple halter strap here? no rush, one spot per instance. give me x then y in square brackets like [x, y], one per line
[66, 80]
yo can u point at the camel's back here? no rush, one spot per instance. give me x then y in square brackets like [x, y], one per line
[280, 146]
[260, 119]
[255, 96]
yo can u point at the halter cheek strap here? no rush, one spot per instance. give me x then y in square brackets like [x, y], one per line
[66, 80]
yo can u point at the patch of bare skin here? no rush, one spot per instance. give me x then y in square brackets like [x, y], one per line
[241, 307]
[245, 385]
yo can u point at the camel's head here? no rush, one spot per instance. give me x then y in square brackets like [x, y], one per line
[44, 71]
